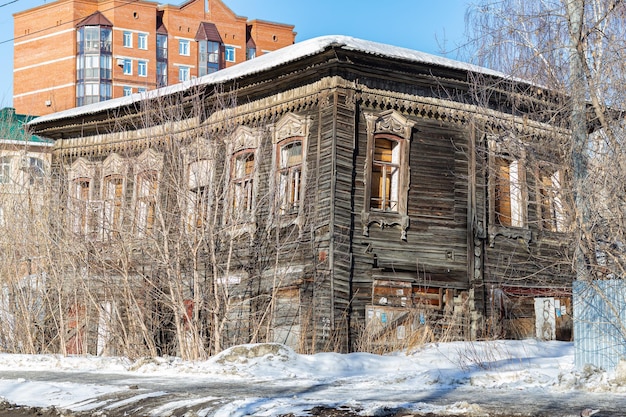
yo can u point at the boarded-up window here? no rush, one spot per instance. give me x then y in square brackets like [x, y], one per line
[508, 198]
[385, 174]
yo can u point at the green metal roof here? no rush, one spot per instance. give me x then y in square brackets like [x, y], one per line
[12, 127]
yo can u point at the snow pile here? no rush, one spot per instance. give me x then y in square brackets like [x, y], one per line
[366, 382]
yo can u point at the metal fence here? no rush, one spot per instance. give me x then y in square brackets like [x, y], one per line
[599, 323]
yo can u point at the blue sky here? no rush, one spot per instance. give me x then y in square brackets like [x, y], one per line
[433, 26]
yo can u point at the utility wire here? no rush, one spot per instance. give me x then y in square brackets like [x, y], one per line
[10, 2]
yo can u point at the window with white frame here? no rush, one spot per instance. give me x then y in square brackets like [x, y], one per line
[183, 73]
[142, 68]
[128, 39]
[229, 53]
[183, 47]
[128, 90]
[5, 170]
[142, 40]
[128, 66]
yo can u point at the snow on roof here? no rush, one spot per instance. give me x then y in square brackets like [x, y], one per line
[272, 60]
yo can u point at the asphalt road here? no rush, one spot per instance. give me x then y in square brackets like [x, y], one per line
[150, 393]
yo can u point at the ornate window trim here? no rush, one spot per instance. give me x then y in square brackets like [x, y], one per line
[114, 171]
[148, 166]
[290, 128]
[393, 126]
[200, 172]
[81, 201]
[244, 141]
[509, 150]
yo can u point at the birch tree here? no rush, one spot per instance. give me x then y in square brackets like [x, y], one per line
[574, 48]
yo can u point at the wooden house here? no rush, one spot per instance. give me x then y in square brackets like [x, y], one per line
[337, 194]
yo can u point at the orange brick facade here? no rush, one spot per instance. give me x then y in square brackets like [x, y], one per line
[45, 46]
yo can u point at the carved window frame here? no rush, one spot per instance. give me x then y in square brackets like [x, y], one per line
[148, 167]
[114, 169]
[244, 141]
[390, 125]
[290, 128]
[510, 150]
[551, 210]
[80, 205]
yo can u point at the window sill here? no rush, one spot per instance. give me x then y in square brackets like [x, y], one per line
[384, 219]
[511, 232]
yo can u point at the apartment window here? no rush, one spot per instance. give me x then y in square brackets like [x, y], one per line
[93, 64]
[183, 73]
[146, 193]
[142, 89]
[142, 68]
[161, 40]
[550, 200]
[161, 74]
[112, 194]
[200, 174]
[508, 206]
[289, 174]
[385, 181]
[128, 67]
[229, 53]
[387, 171]
[183, 47]
[208, 57]
[142, 40]
[128, 39]
[128, 90]
[5, 170]
[242, 186]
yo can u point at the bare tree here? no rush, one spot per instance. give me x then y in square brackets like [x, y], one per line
[573, 48]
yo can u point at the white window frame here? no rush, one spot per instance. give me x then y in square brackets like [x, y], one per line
[184, 47]
[142, 68]
[128, 39]
[142, 41]
[127, 90]
[184, 73]
[229, 53]
[128, 66]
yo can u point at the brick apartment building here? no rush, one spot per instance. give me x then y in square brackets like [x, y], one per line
[69, 53]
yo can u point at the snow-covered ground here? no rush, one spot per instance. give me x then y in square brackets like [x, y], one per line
[272, 380]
